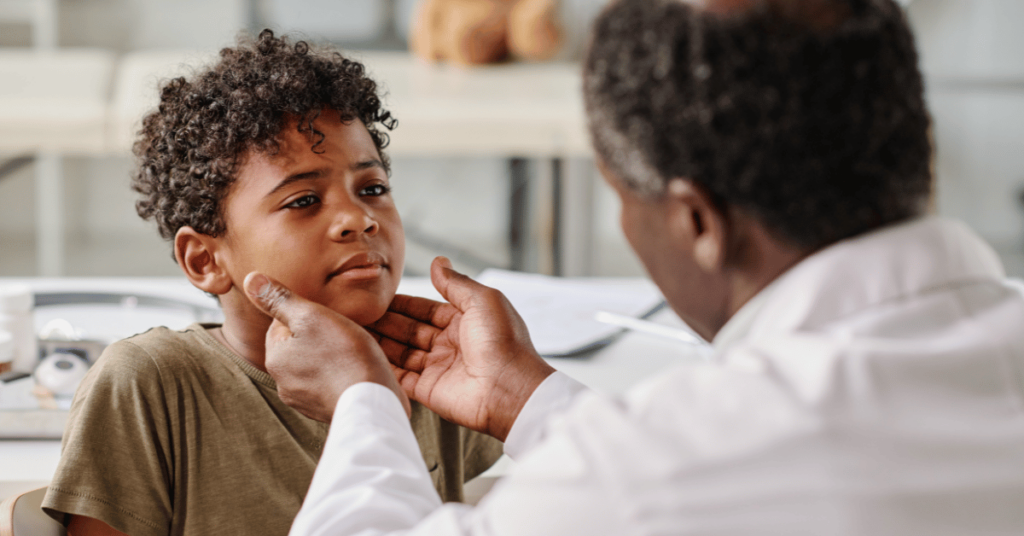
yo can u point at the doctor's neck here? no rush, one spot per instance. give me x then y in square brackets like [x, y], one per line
[757, 258]
[766, 258]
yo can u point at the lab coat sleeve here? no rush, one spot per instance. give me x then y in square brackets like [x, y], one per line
[371, 479]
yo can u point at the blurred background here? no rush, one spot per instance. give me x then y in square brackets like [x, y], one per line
[525, 197]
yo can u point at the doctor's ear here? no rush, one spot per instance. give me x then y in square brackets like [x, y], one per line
[702, 221]
[194, 252]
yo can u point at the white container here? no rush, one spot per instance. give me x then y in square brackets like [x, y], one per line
[61, 374]
[6, 351]
[16, 318]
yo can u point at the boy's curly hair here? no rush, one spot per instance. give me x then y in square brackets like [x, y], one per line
[189, 148]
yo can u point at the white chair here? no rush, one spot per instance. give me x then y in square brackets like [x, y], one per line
[22, 515]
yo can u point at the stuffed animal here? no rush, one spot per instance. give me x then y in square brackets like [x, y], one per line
[470, 32]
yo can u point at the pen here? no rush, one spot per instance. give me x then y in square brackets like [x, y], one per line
[646, 326]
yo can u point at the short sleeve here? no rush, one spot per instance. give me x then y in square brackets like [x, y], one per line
[116, 456]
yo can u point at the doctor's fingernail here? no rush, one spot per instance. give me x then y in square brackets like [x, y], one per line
[256, 284]
[265, 293]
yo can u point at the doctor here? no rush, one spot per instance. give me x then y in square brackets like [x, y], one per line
[772, 159]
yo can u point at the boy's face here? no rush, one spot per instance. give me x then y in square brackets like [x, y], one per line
[322, 223]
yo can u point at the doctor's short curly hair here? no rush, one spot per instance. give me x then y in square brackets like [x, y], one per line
[807, 114]
[190, 147]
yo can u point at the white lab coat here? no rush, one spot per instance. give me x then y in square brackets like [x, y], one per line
[873, 389]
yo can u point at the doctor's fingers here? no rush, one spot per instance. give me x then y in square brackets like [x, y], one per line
[407, 380]
[404, 357]
[462, 291]
[406, 330]
[425, 310]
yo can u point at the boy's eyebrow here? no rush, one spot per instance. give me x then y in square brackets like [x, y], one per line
[318, 173]
[367, 164]
[306, 175]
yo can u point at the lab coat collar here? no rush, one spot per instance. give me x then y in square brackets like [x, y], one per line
[737, 327]
[892, 263]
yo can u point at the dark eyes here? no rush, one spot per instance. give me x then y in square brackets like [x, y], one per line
[375, 190]
[308, 200]
[304, 201]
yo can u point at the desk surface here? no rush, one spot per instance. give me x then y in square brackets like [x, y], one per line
[26, 464]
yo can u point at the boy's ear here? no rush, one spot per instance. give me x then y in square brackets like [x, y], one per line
[194, 252]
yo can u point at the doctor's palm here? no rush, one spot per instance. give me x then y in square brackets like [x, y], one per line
[471, 360]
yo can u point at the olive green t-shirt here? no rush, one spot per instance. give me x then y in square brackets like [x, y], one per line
[171, 433]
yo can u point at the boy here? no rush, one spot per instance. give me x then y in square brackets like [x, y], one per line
[270, 160]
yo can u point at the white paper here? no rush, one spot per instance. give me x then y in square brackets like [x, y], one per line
[559, 312]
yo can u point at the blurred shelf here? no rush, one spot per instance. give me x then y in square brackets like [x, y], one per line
[514, 109]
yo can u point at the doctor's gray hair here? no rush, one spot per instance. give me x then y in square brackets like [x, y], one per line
[808, 114]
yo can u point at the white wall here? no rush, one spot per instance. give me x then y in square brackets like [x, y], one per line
[970, 51]
[136, 24]
[974, 71]
[969, 37]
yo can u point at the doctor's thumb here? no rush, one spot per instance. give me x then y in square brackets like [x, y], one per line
[273, 298]
[456, 288]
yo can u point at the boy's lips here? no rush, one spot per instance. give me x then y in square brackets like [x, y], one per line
[368, 265]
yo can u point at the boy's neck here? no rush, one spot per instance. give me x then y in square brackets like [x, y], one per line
[245, 328]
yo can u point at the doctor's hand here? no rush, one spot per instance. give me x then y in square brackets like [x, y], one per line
[314, 353]
[471, 360]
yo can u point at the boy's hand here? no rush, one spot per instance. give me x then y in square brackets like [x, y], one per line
[471, 360]
[314, 353]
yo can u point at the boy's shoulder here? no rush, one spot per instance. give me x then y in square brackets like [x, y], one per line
[170, 351]
[161, 340]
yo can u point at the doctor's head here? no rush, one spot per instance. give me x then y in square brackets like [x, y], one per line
[272, 160]
[754, 131]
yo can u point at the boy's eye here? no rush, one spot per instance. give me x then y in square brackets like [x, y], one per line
[303, 201]
[375, 190]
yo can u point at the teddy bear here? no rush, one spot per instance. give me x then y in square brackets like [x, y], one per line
[472, 32]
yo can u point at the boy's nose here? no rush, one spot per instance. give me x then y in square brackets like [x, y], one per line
[350, 224]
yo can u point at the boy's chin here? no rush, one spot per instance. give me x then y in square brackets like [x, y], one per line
[365, 314]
